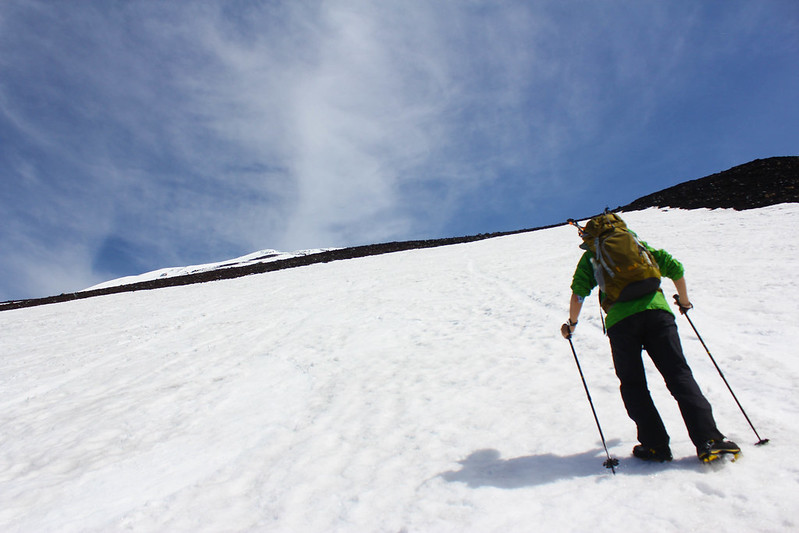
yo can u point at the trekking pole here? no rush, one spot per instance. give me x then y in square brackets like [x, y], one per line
[684, 311]
[610, 463]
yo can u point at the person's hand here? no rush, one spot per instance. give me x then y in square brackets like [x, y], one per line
[567, 329]
[684, 306]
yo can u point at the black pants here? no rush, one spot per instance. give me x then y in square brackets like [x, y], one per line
[656, 331]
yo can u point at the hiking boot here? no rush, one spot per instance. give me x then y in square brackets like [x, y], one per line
[658, 453]
[715, 448]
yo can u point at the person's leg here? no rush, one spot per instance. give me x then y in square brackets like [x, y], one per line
[662, 343]
[626, 342]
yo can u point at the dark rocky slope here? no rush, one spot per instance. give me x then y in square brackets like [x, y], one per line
[760, 183]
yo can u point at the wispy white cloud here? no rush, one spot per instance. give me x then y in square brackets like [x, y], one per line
[386, 100]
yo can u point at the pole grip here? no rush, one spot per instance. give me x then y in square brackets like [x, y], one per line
[683, 310]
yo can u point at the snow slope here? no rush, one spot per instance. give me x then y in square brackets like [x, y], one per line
[426, 390]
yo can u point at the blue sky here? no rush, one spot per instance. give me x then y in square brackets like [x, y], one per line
[146, 134]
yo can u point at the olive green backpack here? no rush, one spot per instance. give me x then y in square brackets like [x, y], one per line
[624, 268]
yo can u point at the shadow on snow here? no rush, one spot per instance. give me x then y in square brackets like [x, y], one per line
[485, 468]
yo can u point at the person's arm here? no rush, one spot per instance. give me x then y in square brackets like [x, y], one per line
[583, 283]
[673, 269]
[575, 306]
[682, 292]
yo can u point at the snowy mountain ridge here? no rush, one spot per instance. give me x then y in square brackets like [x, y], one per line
[261, 256]
[425, 390]
[759, 183]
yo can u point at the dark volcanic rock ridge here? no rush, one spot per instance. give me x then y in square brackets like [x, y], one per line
[760, 183]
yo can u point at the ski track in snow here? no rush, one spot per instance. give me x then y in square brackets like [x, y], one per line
[426, 390]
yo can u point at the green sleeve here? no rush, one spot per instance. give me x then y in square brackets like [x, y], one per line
[583, 281]
[669, 267]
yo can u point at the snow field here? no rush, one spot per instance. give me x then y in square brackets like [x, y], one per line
[426, 390]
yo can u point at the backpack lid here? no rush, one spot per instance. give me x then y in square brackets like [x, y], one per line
[602, 224]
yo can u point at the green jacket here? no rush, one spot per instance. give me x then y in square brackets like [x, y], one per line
[584, 282]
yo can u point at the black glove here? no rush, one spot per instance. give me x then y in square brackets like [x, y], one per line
[683, 309]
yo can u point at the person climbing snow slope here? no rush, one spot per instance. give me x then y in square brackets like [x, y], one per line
[628, 273]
